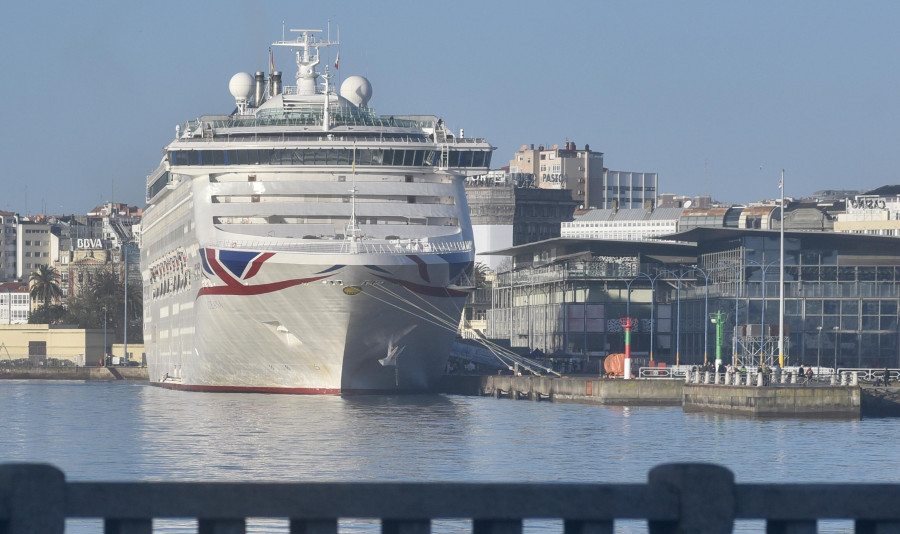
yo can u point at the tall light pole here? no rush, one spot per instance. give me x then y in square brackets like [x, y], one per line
[835, 347]
[819, 355]
[781, 281]
[104, 335]
[125, 337]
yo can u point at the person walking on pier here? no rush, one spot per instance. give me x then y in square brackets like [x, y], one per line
[887, 377]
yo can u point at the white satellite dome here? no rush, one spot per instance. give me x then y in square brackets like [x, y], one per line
[357, 90]
[241, 85]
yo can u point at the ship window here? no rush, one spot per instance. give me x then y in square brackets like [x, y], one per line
[478, 159]
[465, 159]
[388, 157]
[398, 157]
[454, 158]
[193, 157]
[342, 157]
[363, 157]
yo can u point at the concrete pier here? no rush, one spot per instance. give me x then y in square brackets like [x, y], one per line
[90, 374]
[762, 401]
[788, 400]
[635, 392]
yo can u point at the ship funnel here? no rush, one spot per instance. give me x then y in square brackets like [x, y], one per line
[259, 89]
[275, 83]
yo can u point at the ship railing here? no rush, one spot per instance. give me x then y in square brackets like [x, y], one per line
[346, 246]
[696, 498]
[282, 137]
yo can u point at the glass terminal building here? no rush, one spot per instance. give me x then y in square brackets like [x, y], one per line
[841, 297]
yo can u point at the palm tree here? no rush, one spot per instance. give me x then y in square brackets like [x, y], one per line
[45, 284]
[482, 272]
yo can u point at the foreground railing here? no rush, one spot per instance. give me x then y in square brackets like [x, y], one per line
[678, 498]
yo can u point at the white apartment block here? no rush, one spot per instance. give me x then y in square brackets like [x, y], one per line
[15, 303]
[35, 246]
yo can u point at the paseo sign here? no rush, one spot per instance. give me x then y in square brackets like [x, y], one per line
[868, 203]
[88, 244]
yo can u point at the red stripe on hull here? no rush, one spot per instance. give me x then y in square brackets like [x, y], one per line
[239, 389]
[234, 289]
[285, 391]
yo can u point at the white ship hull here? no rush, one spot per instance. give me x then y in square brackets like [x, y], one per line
[373, 328]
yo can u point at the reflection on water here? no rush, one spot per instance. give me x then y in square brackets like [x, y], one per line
[122, 431]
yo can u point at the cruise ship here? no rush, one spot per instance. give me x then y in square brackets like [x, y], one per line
[305, 244]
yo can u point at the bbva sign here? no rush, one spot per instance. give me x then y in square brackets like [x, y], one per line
[89, 244]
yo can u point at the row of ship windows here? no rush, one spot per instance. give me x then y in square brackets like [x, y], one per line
[642, 224]
[316, 156]
[319, 199]
[342, 221]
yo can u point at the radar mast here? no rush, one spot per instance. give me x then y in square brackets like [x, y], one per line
[307, 53]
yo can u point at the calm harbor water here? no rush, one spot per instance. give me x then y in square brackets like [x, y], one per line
[128, 431]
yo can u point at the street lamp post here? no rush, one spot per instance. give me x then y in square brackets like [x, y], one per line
[706, 314]
[737, 286]
[819, 348]
[762, 319]
[104, 334]
[652, 280]
[835, 347]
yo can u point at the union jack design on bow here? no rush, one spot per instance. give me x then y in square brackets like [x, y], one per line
[235, 268]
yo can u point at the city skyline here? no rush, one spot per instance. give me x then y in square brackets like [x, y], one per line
[715, 98]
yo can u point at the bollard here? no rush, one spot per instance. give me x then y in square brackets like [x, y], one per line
[784, 376]
[845, 379]
[854, 379]
[716, 379]
[35, 496]
[706, 377]
[687, 377]
[759, 379]
[727, 379]
[793, 377]
[697, 377]
[833, 379]
[706, 498]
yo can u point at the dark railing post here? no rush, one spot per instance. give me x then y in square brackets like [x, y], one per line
[705, 495]
[497, 526]
[33, 497]
[127, 526]
[221, 526]
[314, 526]
[571, 526]
[391, 526]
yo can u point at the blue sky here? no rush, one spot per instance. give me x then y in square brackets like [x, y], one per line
[716, 97]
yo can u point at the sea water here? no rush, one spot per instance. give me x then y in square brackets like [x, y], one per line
[132, 431]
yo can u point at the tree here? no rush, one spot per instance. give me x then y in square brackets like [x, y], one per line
[53, 314]
[45, 284]
[106, 289]
[481, 273]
